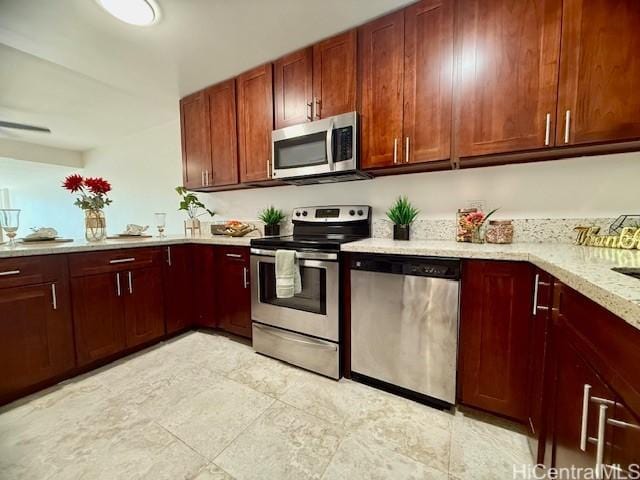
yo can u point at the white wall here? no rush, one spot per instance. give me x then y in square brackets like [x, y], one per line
[36, 189]
[143, 170]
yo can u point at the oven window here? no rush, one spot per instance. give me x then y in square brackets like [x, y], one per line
[304, 151]
[313, 297]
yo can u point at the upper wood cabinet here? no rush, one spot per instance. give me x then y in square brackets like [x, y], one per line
[495, 329]
[406, 76]
[195, 133]
[293, 88]
[221, 100]
[507, 73]
[316, 82]
[428, 79]
[334, 75]
[381, 64]
[599, 94]
[255, 123]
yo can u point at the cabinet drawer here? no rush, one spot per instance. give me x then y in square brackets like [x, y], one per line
[234, 253]
[81, 264]
[15, 272]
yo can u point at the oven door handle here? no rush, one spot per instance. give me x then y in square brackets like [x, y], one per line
[330, 146]
[291, 338]
[300, 255]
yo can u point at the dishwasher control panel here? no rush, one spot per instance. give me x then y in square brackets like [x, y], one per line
[448, 268]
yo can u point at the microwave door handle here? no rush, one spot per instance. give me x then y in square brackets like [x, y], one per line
[330, 146]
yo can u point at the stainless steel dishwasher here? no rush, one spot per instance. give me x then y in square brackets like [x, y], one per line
[404, 325]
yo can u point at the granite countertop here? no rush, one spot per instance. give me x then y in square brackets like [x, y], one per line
[44, 248]
[585, 269]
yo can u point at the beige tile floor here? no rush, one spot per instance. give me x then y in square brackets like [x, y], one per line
[204, 406]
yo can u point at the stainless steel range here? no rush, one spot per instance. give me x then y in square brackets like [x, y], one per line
[304, 330]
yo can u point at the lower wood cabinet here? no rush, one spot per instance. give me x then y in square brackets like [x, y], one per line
[36, 332]
[177, 276]
[234, 293]
[206, 284]
[495, 326]
[120, 308]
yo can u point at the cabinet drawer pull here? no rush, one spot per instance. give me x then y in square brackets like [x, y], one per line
[620, 424]
[130, 282]
[586, 393]
[118, 291]
[9, 272]
[54, 297]
[233, 255]
[122, 260]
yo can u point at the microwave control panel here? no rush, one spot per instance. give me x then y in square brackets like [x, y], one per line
[342, 144]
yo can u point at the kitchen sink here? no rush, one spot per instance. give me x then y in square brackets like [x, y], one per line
[632, 272]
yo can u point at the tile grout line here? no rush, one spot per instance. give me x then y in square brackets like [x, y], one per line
[182, 441]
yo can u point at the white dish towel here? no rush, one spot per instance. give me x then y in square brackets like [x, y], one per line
[288, 281]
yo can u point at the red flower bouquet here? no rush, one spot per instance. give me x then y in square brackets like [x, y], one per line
[93, 191]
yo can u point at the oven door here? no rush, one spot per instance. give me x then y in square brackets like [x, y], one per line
[314, 311]
[321, 147]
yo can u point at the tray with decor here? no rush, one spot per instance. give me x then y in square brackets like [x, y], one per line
[232, 228]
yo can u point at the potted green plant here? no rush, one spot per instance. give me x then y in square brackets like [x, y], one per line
[402, 214]
[190, 204]
[271, 217]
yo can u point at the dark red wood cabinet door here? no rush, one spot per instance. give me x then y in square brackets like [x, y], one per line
[144, 308]
[196, 148]
[234, 293]
[573, 374]
[98, 316]
[178, 288]
[507, 75]
[36, 336]
[625, 446]
[255, 123]
[495, 326]
[428, 80]
[599, 95]
[334, 75]
[381, 64]
[223, 138]
[206, 278]
[292, 86]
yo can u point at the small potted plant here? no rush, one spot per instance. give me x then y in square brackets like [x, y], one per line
[190, 204]
[272, 217]
[402, 214]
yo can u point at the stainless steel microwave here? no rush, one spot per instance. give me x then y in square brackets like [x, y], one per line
[322, 151]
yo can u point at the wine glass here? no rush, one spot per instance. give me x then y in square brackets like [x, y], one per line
[161, 219]
[10, 221]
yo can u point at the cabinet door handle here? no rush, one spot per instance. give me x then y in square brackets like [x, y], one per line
[316, 102]
[245, 281]
[310, 111]
[395, 150]
[118, 291]
[547, 132]
[620, 424]
[233, 255]
[268, 168]
[567, 125]
[9, 272]
[406, 150]
[536, 284]
[169, 256]
[202, 178]
[586, 394]
[602, 423]
[122, 260]
[54, 297]
[130, 282]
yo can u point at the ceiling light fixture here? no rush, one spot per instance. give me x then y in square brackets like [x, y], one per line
[134, 12]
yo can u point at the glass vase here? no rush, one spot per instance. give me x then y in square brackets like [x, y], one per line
[95, 225]
[477, 235]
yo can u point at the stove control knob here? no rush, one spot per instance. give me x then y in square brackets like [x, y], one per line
[297, 213]
[360, 212]
[304, 213]
[352, 212]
